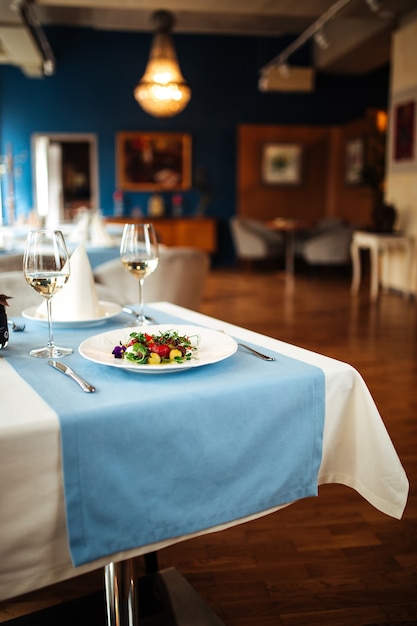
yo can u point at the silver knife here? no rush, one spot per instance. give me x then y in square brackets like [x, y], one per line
[85, 386]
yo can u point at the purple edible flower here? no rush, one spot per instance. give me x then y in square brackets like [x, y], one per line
[118, 352]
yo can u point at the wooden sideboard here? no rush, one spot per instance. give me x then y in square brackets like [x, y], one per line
[197, 232]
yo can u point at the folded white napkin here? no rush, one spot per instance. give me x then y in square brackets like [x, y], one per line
[98, 232]
[78, 299]
[90, 228]
[81, 230]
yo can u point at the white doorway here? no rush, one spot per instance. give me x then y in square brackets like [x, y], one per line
[65, 174]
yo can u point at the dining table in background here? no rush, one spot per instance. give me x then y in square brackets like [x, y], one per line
[356, 449]
[289, 228]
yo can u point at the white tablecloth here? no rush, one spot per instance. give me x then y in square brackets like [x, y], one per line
[357, 452]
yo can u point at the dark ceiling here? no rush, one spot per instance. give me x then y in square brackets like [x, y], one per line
[359, 31]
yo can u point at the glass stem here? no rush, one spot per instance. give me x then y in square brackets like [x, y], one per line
[141, 316]
[51, 344]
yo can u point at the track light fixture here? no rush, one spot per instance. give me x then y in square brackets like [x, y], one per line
[311, 31]
[25, 8]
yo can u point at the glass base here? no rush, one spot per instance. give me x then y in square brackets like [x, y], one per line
[138, 322]
[141, 322]
[50, 353]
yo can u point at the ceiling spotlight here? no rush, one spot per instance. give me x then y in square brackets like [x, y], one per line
[284, 70]
[321, 39]
[162, 90]
[15, 5]
[373, 5]
[49, 67]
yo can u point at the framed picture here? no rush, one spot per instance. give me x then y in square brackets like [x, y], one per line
[403, 132]
[281, 163]
[354, 161]
[153, 161]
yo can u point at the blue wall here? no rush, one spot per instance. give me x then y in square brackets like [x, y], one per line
[91, 92]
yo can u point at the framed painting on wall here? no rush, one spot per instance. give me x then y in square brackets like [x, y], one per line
[403, 132]
[153, 161]
[281, 163]
[354, 161]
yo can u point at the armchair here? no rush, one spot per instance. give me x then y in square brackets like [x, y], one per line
[179, 278]
[253, 241]
[327, 244]
[11, 262]
[13, 283]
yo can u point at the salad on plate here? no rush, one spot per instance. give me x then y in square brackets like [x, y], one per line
[157, 349]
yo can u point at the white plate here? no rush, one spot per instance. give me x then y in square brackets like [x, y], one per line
[213, 346]
[108, 309]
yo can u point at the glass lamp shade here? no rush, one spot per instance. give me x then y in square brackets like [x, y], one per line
[162, 91]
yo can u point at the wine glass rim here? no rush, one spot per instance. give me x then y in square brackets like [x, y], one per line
[139, 225]
[45, 230]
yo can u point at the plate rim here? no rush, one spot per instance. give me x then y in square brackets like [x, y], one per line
[165, 369]
[91, 320]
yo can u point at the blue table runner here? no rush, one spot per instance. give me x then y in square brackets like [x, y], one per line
[150, 457]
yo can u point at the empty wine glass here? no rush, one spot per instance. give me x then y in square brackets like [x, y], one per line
[46, 269]
[139, 255]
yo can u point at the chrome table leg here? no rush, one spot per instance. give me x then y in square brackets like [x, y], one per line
[120, 590]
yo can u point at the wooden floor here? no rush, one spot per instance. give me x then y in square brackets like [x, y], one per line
[332, 560]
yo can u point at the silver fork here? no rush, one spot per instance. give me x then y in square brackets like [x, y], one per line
[260, 355]
[17, 328]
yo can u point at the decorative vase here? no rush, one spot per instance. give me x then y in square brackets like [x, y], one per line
[156, 206]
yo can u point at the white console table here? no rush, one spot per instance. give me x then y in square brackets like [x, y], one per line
[376, 243]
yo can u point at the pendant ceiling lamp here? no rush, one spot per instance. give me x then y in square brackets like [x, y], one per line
[162, 91]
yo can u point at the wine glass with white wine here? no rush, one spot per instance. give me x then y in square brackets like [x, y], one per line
[46, 269]
[139, 255]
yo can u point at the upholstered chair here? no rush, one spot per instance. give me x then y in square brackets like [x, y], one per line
[253, 241]
[179, 278]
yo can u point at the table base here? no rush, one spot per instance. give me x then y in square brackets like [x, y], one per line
[164, 598]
